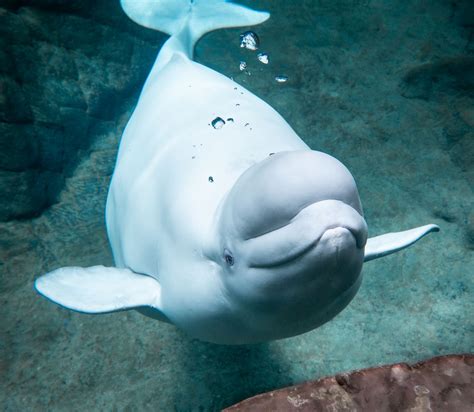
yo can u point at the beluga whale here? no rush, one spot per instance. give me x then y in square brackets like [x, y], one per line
[221, 220]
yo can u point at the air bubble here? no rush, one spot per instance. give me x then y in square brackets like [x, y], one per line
[281, 79]
[249, 40]
[263, 58]
[218, 123]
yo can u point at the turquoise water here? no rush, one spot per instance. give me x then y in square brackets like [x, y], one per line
[385, 87]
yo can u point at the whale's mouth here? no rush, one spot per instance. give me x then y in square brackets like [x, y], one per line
[336, 233]
[322, 230]
[284, 260]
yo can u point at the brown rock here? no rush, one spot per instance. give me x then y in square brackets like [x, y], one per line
[443, 383]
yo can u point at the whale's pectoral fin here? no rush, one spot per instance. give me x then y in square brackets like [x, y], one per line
[99, 289]
[383, 245]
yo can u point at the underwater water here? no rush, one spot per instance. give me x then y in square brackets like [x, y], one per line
[384, 86]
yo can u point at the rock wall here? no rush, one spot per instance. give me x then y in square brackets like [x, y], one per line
[66, 78]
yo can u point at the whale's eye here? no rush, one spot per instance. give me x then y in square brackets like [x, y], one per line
[229, 259]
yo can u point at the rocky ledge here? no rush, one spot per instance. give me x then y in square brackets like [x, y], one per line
[444, 383]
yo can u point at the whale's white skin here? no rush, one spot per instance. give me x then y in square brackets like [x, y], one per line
[236, 235]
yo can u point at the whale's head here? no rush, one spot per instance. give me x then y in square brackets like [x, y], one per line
[291, 237]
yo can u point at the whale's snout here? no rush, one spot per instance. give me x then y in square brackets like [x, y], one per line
[339, 248]
[338, 221]
[357, 231]
[341, 238]
[331, 226]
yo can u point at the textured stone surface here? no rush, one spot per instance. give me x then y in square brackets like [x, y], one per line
[349, 65]
[65, 71]
[440, 384]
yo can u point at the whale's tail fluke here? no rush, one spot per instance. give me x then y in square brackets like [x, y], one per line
[190, 19]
